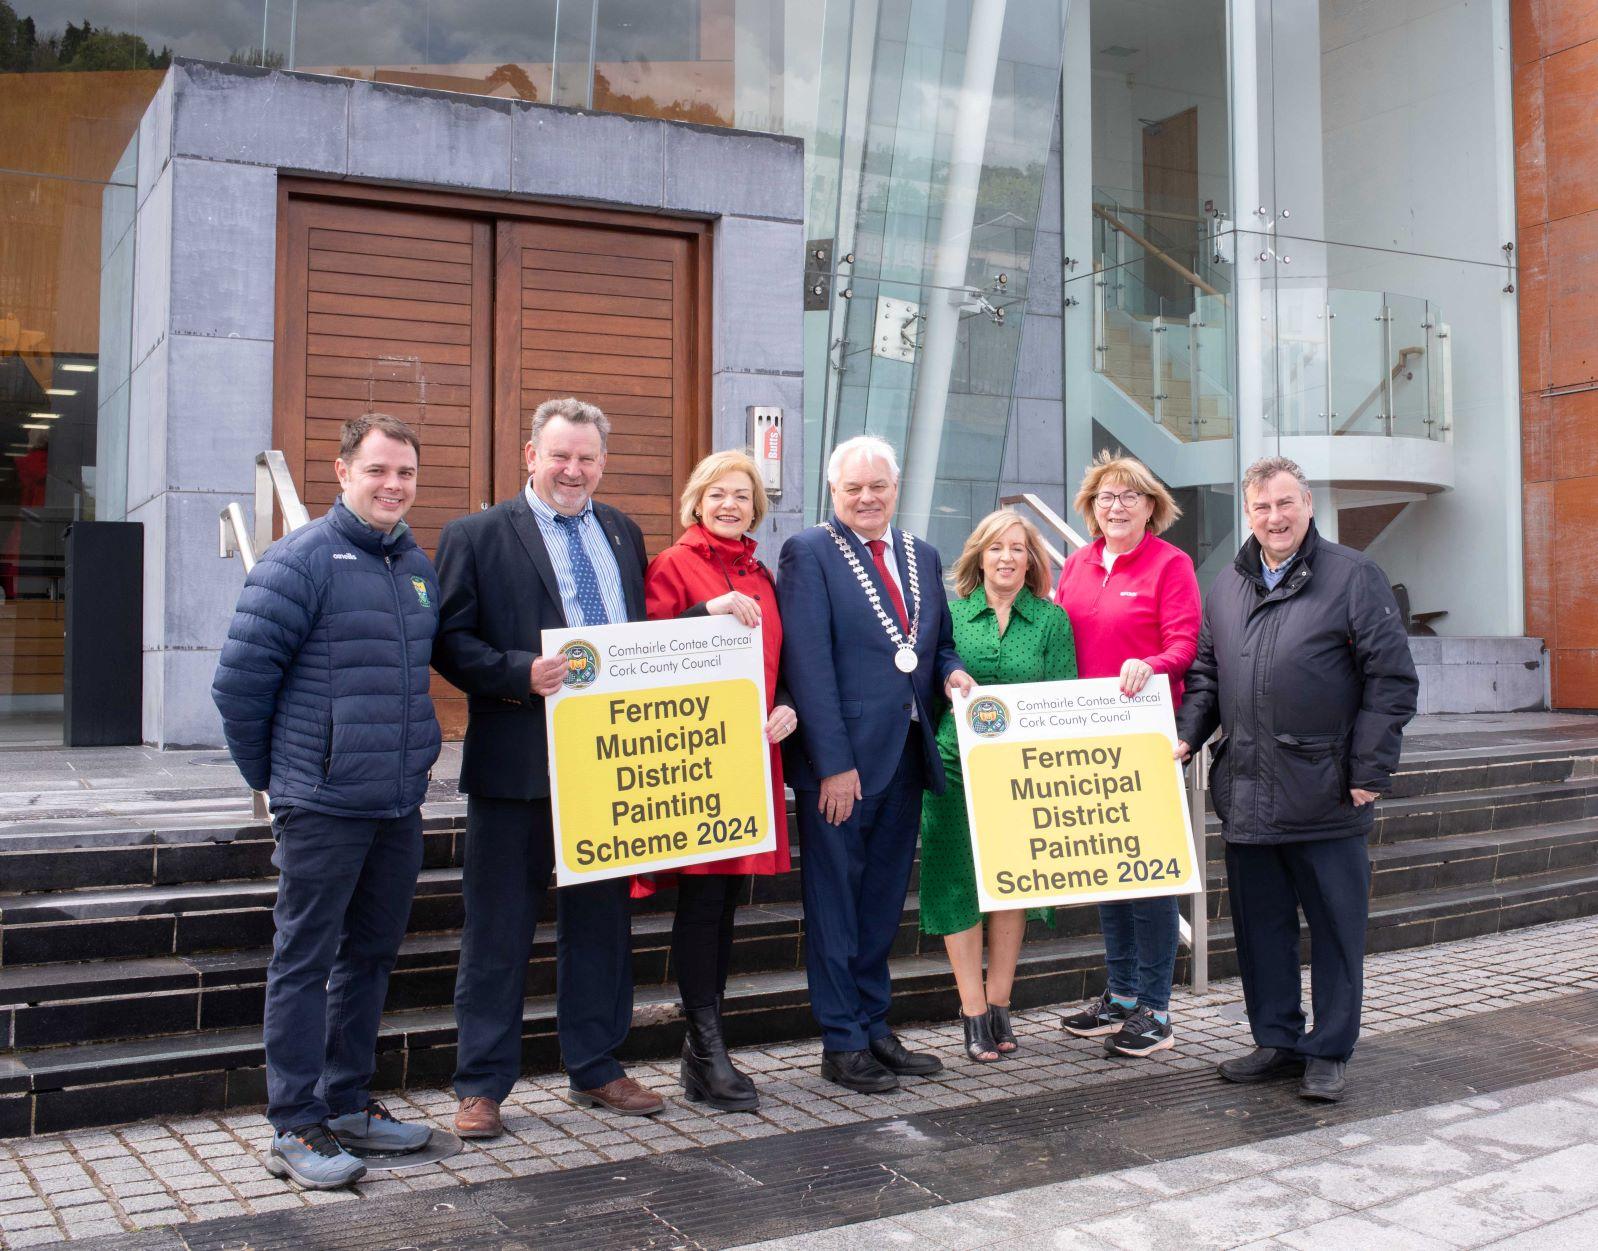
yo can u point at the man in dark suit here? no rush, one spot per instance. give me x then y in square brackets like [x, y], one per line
[867, 653]
[550, 557]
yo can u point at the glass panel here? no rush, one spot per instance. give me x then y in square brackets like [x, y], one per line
[1359, 355]
[476, 46]
[686, 60]
[56, 236]
[1406, 366]
[1388, 124]
[1151, 307]
[953, 104]
[1424, 417]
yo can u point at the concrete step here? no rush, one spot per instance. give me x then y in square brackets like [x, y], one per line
[50, 1004]
[51, 1089]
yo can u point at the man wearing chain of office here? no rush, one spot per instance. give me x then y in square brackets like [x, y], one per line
[867, 655]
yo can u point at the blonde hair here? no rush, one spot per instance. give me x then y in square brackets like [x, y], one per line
[968, 569]
[711, 468]
[1117, 467]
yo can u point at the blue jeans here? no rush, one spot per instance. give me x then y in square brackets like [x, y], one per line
[344, 894]
[1140, 948]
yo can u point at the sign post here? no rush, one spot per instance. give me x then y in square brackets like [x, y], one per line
[658, 753]
[1073, 794]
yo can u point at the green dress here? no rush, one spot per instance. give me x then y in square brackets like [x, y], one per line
[1036, 646]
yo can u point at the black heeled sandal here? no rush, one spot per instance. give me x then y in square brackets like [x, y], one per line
[999, 1026]
[979, 1038]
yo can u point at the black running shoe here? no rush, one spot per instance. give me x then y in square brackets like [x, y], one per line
[1097, 1019]
[1142, 1034]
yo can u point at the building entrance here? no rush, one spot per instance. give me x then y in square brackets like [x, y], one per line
[461, 317]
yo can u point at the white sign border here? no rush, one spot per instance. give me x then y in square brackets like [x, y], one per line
[554, 640]
[1195, 883]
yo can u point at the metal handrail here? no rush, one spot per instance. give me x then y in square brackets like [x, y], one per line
[275, 493]
[1403, 363]
[1194, 934]
[1187, 275]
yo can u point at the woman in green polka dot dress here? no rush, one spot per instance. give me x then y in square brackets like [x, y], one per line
[1006, 630]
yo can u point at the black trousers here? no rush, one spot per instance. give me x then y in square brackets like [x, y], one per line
[510, 854]
[701, 934]
[1329, 879]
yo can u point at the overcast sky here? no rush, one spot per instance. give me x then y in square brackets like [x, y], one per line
[381, 32]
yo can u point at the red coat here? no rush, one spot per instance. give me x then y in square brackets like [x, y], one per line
[696, 568]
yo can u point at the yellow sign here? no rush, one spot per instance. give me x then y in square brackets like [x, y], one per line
[658, 755]
[1073, 795]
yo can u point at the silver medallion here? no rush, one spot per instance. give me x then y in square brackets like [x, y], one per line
[905, 660]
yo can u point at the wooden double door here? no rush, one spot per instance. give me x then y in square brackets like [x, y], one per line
[460, 317]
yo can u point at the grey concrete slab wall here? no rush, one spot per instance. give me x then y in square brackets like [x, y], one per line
[199, 395]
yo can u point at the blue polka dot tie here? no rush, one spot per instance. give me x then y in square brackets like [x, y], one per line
[589, 600]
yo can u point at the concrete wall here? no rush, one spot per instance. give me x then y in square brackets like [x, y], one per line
[1415, 133]
[211, 147]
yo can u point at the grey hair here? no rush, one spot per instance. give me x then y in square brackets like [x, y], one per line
[1266, 468]
[575, 411]
[867, 445]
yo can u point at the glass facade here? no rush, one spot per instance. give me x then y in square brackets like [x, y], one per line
[1199, 230]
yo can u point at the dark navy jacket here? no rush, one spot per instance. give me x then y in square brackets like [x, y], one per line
[837, 662]
[1313, 684]
[323, 680]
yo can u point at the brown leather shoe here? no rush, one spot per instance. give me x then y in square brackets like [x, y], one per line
[622, 1095]
[478, 1117]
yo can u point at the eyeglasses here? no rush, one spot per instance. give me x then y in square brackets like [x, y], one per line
[1127, 499]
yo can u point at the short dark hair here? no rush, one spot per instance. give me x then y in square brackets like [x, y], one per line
[357, 428]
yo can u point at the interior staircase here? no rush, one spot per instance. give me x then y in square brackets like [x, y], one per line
[133, 956]
[1128, 362]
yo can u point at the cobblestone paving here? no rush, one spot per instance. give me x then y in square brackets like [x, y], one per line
[94, 1182]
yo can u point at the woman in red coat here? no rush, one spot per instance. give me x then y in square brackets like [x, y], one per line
[712, 570]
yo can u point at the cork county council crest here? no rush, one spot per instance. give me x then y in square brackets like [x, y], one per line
[988, 716]
[582, 664]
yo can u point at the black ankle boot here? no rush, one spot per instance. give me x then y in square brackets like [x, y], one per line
[708, 1075]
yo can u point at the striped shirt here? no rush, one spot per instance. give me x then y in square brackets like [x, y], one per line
[596, 543]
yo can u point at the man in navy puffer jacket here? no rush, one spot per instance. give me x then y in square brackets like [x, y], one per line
[323, 690]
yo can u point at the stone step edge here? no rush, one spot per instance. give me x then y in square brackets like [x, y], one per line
[756, 920]
[747, 994]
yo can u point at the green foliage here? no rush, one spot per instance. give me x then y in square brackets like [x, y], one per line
[78, 48]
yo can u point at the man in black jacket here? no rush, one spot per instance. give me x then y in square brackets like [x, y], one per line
[1304, 663]
[547, 558]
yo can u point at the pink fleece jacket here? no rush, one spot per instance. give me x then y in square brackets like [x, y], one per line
[1147, 606]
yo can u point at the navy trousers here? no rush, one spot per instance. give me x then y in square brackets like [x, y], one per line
[855, 877]
[344, 894]
[510, 854]
[1329, 879]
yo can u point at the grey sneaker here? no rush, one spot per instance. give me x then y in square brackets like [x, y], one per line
[1142, 1034]
[314, 1158]
[375, 1130]
[1097, 1019]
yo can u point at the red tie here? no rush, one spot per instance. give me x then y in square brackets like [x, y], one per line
[877, 547]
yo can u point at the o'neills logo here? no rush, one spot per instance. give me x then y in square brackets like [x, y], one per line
[988, 716]
[582, 663]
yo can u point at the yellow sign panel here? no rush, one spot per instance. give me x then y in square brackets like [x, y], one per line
[649, 772]
[1073, 795]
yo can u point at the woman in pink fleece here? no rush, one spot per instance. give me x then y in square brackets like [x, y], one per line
[1133, 601]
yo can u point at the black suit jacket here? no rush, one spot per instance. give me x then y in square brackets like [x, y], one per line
[499, 594]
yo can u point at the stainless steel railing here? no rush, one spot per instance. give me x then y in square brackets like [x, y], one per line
[1193, 931]
[275, 494]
